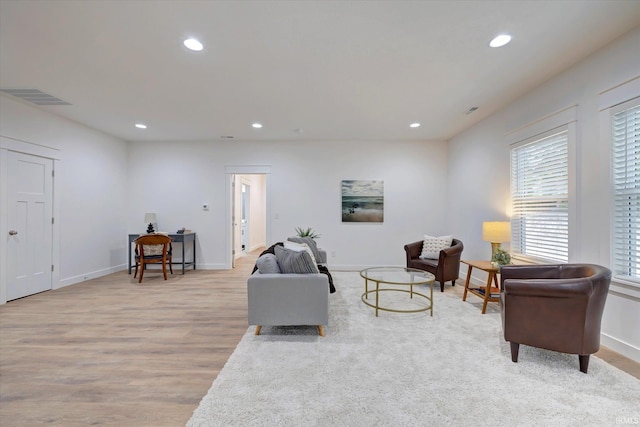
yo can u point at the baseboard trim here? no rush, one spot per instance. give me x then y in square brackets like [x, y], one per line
[88, 276]
[211, 267]
[621, 347]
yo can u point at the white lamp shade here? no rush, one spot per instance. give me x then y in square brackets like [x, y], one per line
[150, 218]
[496, 231]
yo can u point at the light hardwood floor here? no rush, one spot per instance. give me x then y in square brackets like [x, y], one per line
[112, 352]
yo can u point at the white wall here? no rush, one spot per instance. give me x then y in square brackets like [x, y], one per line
[90, 186]
[478, 174]
[103, 187]
[304, 191]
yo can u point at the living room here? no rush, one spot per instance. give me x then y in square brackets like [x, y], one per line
[104, 184]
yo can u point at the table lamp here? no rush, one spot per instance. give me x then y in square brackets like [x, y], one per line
[496, 232]
[150, 218]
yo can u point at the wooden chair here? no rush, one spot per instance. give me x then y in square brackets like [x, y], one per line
[158, 251]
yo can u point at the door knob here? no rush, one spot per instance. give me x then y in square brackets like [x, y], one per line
[12, 232]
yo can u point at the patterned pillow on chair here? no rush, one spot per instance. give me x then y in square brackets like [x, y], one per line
[432, 246]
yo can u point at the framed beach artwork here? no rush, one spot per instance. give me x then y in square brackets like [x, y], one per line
[362, 201]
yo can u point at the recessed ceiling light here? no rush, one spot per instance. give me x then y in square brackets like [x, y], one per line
[414, 125]
[141, 126]
[257, 125]
[500, 40]
[193, 44]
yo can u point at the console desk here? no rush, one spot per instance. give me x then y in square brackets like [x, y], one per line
[176, 238]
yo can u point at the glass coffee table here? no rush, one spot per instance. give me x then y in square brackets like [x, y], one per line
[399, 277]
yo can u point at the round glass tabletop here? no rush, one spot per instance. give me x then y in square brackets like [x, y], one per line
[397, 275]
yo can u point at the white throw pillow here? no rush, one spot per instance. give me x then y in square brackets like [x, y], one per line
[299, 247]
[432, 246]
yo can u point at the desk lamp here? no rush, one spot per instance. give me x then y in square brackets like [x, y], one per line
[496, 232]
[150, 218]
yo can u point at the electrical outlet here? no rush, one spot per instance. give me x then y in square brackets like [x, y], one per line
[333, 254]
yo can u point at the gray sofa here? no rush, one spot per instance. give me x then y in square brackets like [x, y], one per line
[288, 298]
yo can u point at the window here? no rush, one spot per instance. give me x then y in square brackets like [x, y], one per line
[540, 197]
[625, 159]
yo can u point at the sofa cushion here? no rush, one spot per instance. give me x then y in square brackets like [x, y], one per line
[269, 250]
[301, 247]
[431, 246]
[298, 262]
[309, 242]
[268, 264]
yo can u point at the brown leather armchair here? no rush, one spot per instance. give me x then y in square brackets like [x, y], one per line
[555, 307]
[445, 268]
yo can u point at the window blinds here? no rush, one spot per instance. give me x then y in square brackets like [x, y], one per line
[626, 185]
[540, 198]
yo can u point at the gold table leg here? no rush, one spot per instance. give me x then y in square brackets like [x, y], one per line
[377, 297]
[431, 296]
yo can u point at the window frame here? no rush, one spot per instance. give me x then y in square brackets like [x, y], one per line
[612, 112]
[564, 119]
[561, 199]
[607, 99]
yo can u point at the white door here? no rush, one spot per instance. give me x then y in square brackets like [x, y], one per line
[29, 241]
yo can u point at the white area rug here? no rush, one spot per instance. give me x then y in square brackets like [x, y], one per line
[409, 370]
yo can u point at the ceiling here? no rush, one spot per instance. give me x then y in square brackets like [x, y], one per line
[306, 70]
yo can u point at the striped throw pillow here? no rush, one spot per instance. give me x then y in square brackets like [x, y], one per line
[291, 261]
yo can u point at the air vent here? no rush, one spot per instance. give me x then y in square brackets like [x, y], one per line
[35, 96]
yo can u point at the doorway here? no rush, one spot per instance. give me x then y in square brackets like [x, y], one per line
[248, 217]
[246, 211]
